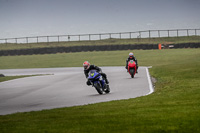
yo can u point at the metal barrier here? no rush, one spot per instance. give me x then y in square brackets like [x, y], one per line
[90, 37]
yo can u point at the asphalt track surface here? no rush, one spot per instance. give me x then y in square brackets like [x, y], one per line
[65, 87]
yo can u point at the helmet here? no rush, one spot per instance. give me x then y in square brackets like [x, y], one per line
[131, 55]
[86, 65]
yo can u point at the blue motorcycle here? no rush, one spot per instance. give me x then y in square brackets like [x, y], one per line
[98, 82]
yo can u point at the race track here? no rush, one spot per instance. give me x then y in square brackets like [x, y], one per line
[65, 87]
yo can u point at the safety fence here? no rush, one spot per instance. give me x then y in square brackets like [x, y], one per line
[102, 36]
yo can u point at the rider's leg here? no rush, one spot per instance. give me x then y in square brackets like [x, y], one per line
[126, 65]
[136, 66]
[105, 77]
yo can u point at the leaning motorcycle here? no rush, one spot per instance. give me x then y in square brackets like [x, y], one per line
[98, 82]
[132, 68]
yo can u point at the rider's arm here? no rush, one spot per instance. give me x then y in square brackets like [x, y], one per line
[86, 74]
[127, 62]
[98, 68]
[135, 60]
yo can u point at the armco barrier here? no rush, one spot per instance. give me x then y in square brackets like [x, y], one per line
[54, 50]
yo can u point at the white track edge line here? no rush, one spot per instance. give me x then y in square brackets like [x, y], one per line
[149, 81]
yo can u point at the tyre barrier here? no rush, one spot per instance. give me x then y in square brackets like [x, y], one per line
[54, 50]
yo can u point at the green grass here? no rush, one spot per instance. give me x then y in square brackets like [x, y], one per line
[6, 78]
[10, 78]
[163, 40]
[106, 58]
[173, 107]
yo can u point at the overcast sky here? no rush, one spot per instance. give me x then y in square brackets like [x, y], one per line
[21, 18]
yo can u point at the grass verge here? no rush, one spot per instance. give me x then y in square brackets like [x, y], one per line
[173, 107]
[6, 78]
[10, 78]
[162, 40]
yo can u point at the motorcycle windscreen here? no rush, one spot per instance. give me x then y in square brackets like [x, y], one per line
[93, 75]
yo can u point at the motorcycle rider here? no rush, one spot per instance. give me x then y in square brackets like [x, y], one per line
[131, 57]
[88, 67]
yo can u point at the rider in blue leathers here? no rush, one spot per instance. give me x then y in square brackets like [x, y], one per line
[88, 67]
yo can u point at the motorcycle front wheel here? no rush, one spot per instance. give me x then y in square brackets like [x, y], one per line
[98, 88]
[132, 71]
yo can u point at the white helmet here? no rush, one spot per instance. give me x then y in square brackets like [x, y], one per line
[130, 54]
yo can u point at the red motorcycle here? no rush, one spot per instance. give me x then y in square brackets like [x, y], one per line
[132, 68]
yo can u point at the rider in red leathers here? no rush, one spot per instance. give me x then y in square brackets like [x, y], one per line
[131, 57]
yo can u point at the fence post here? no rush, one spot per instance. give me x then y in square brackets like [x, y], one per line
[130, 35]
[120, 35]
[26, 39]
[110, 35]
[149, 34]
[6, 41]
[37, 39]
[158, 33]
[177, 32]
[47, 39]
[168, 33]
[139, 36]
[187, 33]
[195, 32]
[89, 37]
[100, 36]
[68, 38]
[15, 40]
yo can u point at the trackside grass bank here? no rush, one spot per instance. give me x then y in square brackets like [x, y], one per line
[173, 107]
[14, 77]
[112, 41]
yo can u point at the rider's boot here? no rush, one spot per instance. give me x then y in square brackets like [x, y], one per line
[107, 82]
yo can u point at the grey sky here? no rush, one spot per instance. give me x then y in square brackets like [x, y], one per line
[20, 18]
